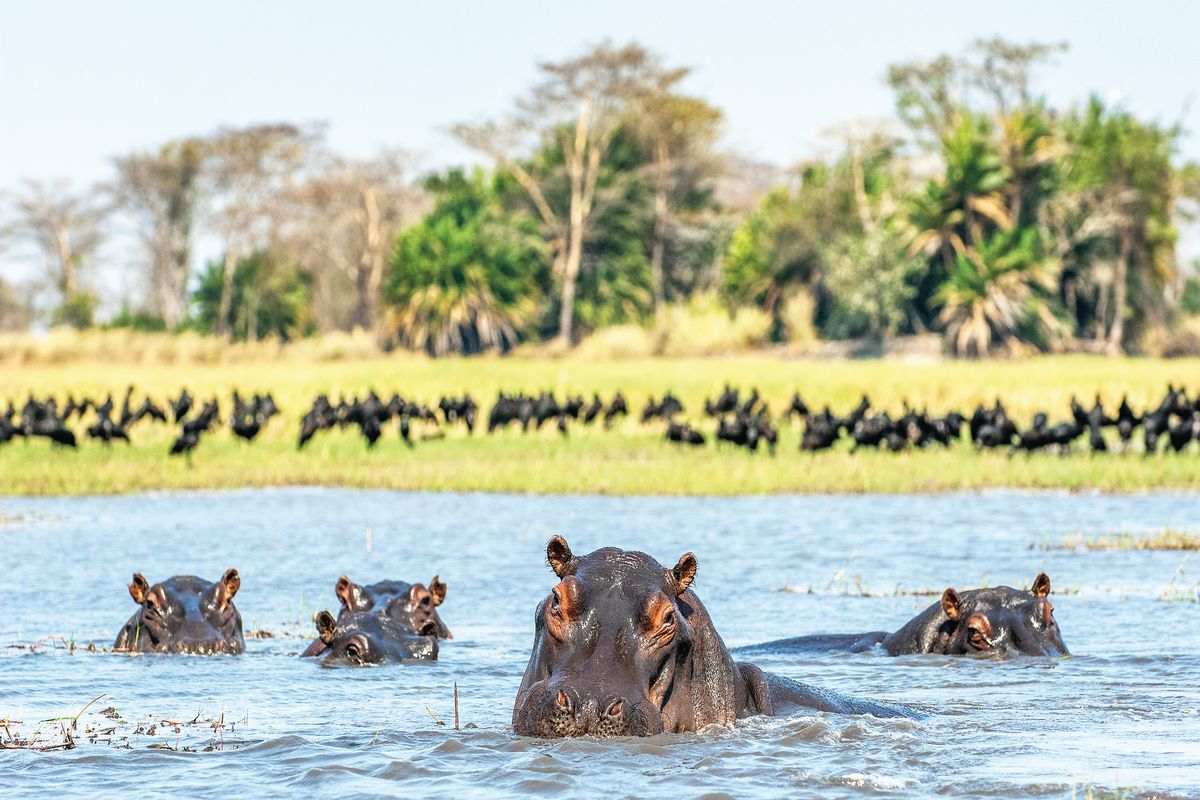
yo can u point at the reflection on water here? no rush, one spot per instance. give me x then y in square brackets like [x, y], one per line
[1123, 712]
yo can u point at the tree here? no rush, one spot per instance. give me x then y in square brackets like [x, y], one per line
[270, 297]
[1121, 170]
[249, 168]
[470, 276]
[66, 229]
[999, 292]
[580, 101]
[679, 132]
[343, 222]
[779, 249]
[871, 275]
[160, 192]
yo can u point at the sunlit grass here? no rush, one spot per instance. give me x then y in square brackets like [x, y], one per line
[1167, 539]
[629, 459]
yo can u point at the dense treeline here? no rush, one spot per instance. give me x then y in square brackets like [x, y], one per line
[981, 212]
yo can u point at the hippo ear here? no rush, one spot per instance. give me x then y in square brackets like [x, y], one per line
[950, 604]
[1041, 585]
[139, 588]
[231, 581]
[348, 592]
[325, 625]
[559, 556]
[438, 590]
[683, 573]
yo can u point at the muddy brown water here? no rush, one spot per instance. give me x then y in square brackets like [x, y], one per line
[1123, 713]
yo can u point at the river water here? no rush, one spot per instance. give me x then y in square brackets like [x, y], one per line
[1123, 713]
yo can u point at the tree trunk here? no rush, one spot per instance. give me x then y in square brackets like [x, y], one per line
[1116, 333]
[566, 314]
[228, 267]
[369, 275]
[578, 213]
[67, 279]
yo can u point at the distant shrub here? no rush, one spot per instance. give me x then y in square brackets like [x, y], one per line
[704, 326]
[137, 321]
[77, 311]
[617, 341]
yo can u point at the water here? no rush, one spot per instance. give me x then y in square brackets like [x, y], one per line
[1123, 712]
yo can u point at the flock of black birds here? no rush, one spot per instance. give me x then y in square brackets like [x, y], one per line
[43, 418]
[740, 420]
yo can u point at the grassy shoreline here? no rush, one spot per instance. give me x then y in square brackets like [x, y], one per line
[631, 459]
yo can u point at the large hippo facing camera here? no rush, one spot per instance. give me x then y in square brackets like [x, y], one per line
[184, 614]
[994, 621]
[623, 646]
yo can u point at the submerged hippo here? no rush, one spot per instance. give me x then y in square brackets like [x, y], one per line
[412, 605]
[184, 614]
[386, 621]
[359, 638]
[994, 621]
[622, 646]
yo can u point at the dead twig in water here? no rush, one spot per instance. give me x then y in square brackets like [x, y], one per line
[456, 706]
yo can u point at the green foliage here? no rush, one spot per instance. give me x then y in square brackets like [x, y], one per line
[1190, 302]
[271, 297]
[779, 248]
[471, 275]
[871, 276]
[142, 321]
[999, 293]
[77, 311]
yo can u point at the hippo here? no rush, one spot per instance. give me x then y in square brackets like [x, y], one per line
[623, 646]
[994, 621]
[184, 614]
[361, 638]
[412, 605]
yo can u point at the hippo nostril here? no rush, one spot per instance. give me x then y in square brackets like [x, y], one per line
[563, 701]
[615, 709]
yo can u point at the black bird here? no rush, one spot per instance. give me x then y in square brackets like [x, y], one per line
[682, 433]
[181, 405]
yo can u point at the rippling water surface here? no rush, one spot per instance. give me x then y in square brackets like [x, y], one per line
[1122, 713]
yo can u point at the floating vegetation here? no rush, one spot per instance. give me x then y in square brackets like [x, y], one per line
[1166, 539]
[201, 733]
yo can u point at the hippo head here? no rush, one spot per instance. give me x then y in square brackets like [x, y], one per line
[622, 647]
[413, 606]
[362, 638]
[1000, 621]
[184, 614]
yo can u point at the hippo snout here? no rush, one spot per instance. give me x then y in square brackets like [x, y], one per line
[559, 711]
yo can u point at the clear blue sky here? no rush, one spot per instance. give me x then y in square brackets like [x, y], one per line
[81, 82]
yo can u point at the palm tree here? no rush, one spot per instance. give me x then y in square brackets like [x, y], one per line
[468, 277]
[975, 177]
[1125, 165]
[999, 294]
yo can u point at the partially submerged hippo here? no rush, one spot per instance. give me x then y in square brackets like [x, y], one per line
[622, 646]
[994, 621]
[413, 605]
[359, 638]
[386, 621]
[184, 614]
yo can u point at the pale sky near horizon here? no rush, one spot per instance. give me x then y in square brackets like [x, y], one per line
[81, 82]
